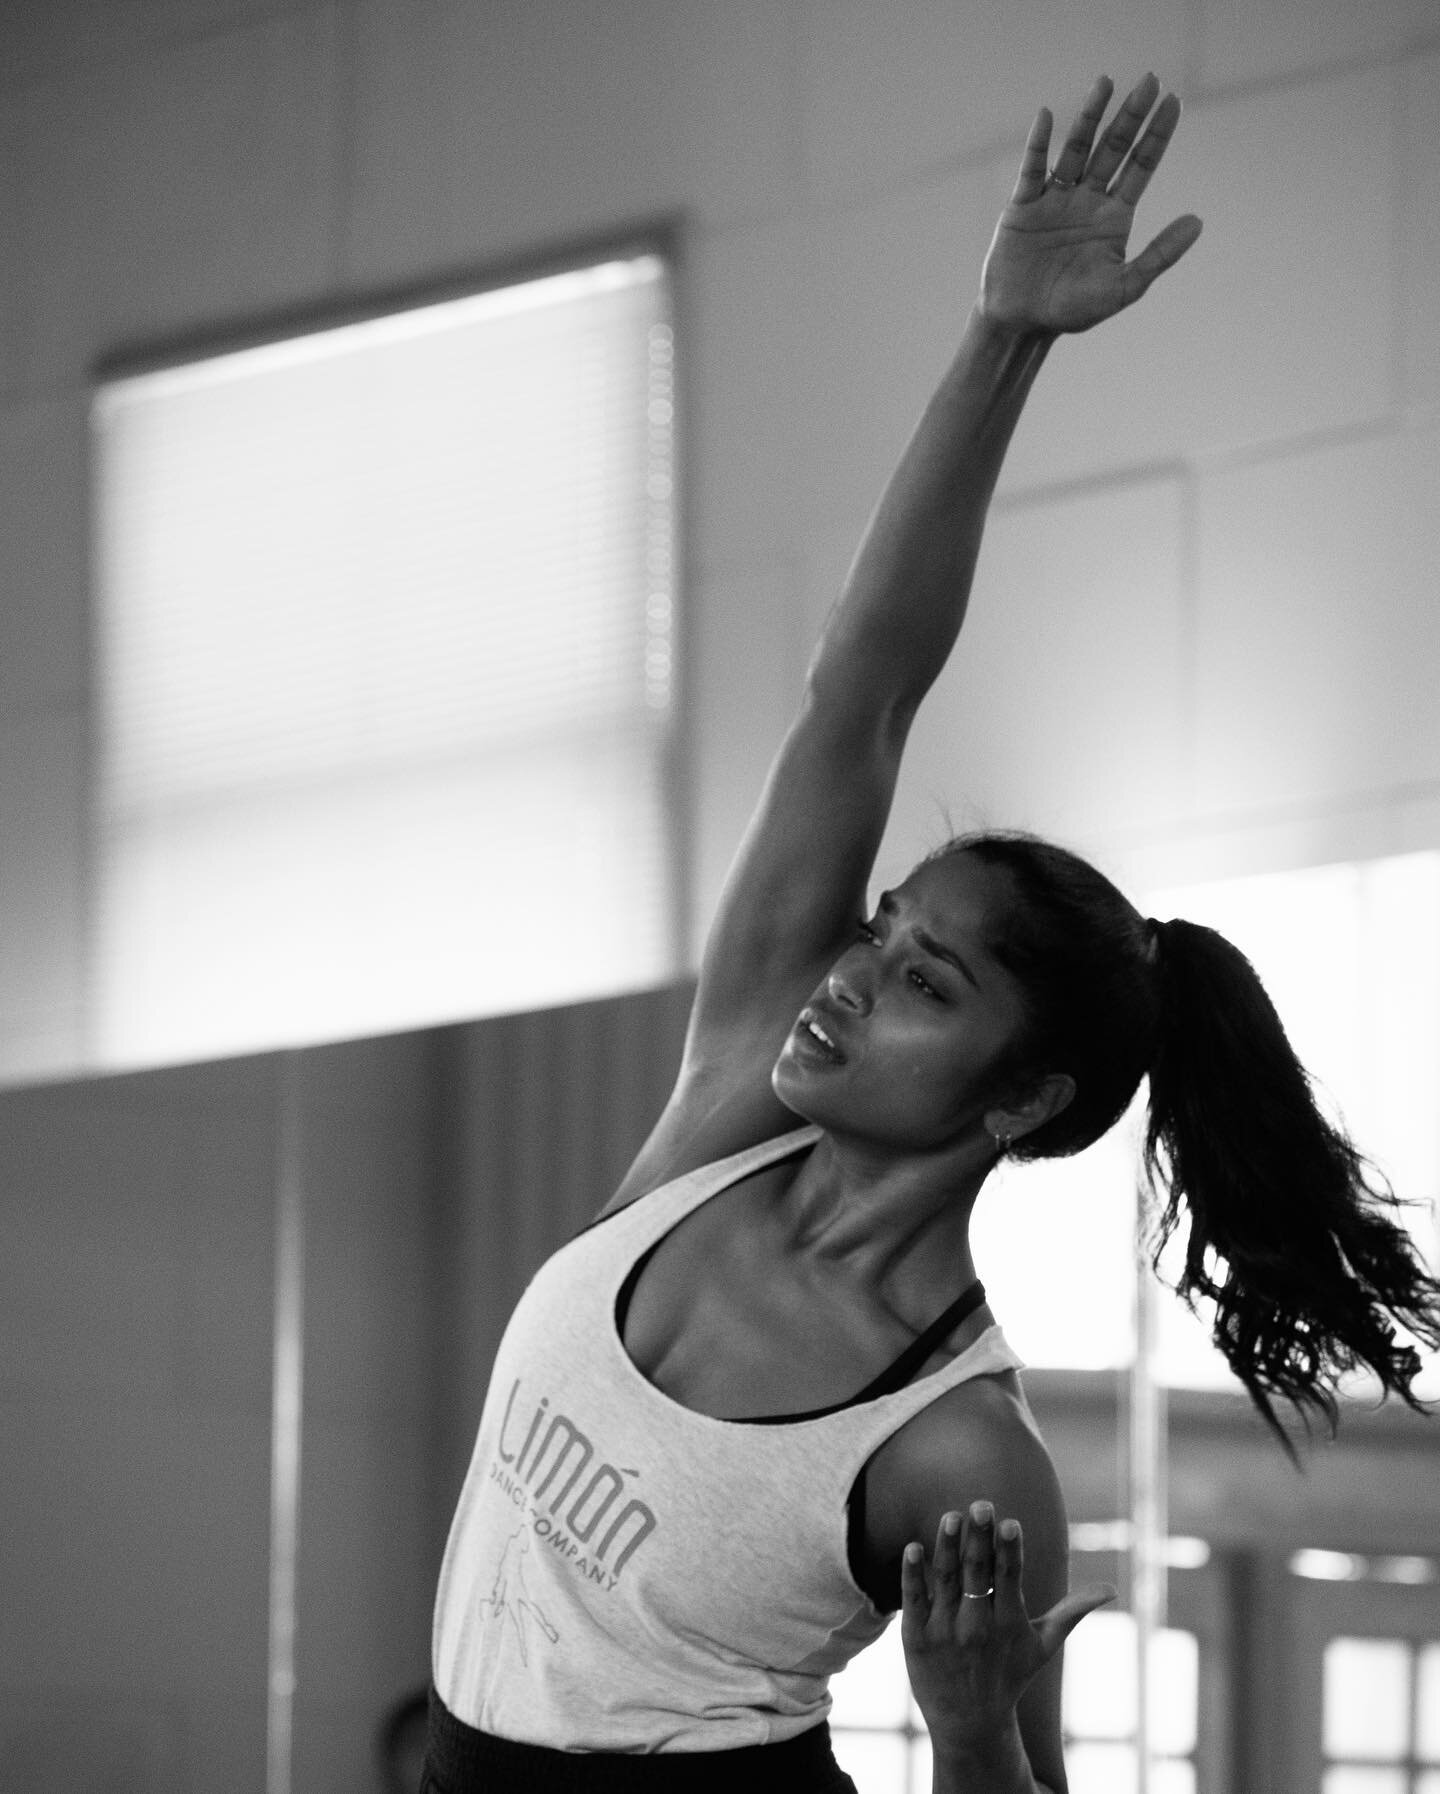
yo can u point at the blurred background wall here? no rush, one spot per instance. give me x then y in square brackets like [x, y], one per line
[1204, 642]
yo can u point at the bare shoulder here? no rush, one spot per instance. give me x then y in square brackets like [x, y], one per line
[977, 1442]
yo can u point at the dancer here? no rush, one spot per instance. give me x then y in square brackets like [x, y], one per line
[730, 1416]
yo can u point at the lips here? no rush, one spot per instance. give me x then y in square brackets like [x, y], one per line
[816, 1036]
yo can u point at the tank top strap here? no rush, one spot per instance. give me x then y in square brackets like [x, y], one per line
[895, 1376]
[668, 1203]
[903, 1369]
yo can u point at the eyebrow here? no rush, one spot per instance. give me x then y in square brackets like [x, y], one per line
[889, 905]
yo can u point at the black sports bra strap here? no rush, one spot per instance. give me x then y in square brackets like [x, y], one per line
[915, 1354]
[898, 1374]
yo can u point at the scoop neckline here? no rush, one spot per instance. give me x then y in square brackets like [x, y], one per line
[793, 1143]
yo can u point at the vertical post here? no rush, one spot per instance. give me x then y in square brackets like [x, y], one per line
[1148, 1504]
[285, 1411]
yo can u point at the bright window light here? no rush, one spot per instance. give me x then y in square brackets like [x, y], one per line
[385, 649]
[880, 1738]
[1344, 1566]
[1367, 1698]
[1100, 1692]
[1327, 1566]
[1054, 1242]
[1351, 956]
[1427, 1705]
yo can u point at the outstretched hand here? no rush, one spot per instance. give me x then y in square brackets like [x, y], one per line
[1057, 260]
[971, 1649]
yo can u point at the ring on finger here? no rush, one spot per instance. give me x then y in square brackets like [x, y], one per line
[965, 1594]
[1055, 181]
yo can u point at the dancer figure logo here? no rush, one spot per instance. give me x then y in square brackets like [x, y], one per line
[510, 1599]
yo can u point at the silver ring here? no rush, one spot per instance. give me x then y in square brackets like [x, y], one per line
[965, 1594]
[1055, 181]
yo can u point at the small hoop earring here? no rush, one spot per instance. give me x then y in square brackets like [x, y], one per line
[1002, 1142]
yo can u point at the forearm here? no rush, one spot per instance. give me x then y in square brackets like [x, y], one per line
[905, 599]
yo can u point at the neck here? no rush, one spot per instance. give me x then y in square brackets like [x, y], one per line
[898, 1223]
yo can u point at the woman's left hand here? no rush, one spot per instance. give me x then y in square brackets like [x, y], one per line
[971, 1648]
[1057, 260]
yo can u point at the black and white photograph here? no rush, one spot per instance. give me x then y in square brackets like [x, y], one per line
[719, 896]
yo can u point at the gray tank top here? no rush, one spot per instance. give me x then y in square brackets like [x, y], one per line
[625, 1574]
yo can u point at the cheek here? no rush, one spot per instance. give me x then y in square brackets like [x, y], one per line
[973, 1064]
[941, 1070]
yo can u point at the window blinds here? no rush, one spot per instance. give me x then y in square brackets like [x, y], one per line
[384, 655]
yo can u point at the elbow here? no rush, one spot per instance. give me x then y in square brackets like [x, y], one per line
[855, 712]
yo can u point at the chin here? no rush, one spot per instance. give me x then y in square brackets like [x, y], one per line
[794, 1090]
[818, 1103]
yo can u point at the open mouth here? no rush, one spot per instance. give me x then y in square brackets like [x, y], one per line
[811, 1030]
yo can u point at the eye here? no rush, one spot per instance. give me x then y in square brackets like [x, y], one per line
[867, 932]
[922, 983]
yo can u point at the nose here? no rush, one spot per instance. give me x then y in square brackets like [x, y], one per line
[847, 989]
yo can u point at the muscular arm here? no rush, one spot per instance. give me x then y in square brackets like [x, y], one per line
[977, 1444]
[794, 893]
[1057, 263]
[798, 884]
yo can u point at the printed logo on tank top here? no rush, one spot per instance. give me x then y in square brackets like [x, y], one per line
[573, 1503]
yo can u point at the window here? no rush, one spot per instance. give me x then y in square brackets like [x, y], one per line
[1367, 1671]
[881, 1741]
[385, 645]
[1101, 1713]
[1382, 1717]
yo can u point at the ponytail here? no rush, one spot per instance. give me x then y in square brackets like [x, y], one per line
[1292, 1233]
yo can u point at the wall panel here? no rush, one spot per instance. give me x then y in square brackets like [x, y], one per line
[487, 131]
[896, 90]
[890, 282]
[177, 191]
[137, 1300]
[748, 317]
[1067, 712]
[12, 311]
[1245, 41]
[1317, 640]
[44, 567]
[748, 657]
[1280, 323]
[43, 758]
[57, 36]
[1418, 167]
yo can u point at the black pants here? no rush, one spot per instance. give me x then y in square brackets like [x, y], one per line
[460, 1760]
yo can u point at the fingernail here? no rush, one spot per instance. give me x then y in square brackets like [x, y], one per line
[951, 1523]
[1009, 1529]
[982, 1513]
[913, 1553]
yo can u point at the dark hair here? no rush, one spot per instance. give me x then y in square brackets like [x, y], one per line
[1292, 1232]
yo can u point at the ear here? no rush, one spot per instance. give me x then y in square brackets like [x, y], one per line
[1042, 1102]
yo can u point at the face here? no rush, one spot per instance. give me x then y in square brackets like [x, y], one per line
[904, 1038]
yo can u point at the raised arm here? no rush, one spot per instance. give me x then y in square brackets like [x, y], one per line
[1057, 263]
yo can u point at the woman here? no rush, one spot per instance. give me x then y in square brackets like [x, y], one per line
[681, 1516]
